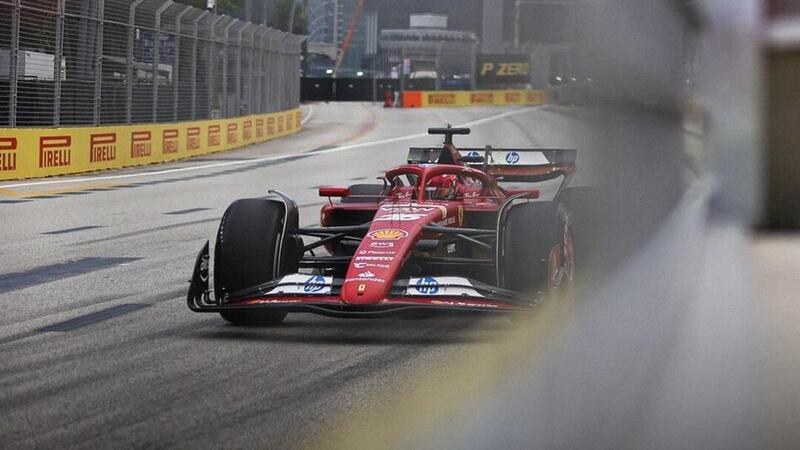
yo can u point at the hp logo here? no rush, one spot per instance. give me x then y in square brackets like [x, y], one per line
[512, 158]
[427, 285]
[314, 284]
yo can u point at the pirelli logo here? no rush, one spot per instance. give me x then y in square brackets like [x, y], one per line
[259, 128]
[481, 98]
[442, 99]
[247, 130]
[55, 151]
[192, 138]
[233, 129]
[102, 147]
[534, 97]
[141, 144]
[270, 126]
[289, 122]
[513, 97]
[169, 141]
[8, 154]
[280, 124]
[213, 135]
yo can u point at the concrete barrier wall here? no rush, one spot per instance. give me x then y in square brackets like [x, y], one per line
[42, 152]
[425, 99]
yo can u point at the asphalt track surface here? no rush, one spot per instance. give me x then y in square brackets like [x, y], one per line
[98, 348]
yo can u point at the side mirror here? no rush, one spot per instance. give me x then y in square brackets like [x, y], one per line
[334, 191]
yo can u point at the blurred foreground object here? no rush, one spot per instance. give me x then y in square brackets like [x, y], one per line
[782, 205]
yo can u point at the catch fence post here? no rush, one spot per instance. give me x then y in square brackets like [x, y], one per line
[129, 62]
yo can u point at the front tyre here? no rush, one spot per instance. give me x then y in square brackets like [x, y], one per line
[247, 254]
[536, 248]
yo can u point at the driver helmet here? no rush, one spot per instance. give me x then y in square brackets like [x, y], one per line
[441, 187]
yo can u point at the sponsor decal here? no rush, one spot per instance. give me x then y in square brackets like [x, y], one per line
[247, 130]
[277, 300]
[270, 126]
[314, 284]
[534, 97]
[441, 287]
[405, 213]
[447, 98]
[473, 154]
[512, 158]
[298, 283]
[232, 133]
[398, 217]
[381, 244]
[374, 258]
[493, 69]
[102, 147]
[376, 252]
[481, 98]
[414, 208]
[280, 124]
[361, 279]
[460, 303]
[55, 151]
[364, 276]
[192, 138]
[359, 265]
[141, 145]
[387, 234]
[259, 128]
[169, 141]
[361, 288]
[450, 248]
[8, 154]
[448, 221]
[427, 286]
[513, 97]
[213, 135]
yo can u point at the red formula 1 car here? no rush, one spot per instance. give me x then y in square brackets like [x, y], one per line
[443, 232]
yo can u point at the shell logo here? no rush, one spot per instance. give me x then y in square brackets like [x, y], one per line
[388, 234]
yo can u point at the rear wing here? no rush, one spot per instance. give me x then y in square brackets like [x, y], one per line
[522, 164]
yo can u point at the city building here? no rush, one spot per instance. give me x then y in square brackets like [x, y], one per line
[427, 49]
[328, 25]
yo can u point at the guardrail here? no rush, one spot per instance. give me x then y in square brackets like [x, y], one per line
[424, 99]
[42, 152]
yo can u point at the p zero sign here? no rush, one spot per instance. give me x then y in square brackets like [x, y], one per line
[495, 70]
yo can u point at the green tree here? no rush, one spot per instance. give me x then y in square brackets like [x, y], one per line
[281, 14]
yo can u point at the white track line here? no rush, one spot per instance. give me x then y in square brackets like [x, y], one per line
[308, 116]
[263, 159]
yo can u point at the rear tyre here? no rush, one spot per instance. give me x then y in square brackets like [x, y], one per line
[245, 255]
[364, 193]
[532, 235]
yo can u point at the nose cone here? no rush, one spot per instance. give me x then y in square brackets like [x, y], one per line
[381, 254]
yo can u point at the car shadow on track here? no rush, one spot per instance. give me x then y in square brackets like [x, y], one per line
[304, 329]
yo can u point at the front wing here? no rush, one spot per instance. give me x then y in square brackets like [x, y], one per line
[320, 294]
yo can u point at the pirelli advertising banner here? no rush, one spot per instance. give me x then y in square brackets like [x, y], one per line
[426, 99]
[494, 70]
[42, 152]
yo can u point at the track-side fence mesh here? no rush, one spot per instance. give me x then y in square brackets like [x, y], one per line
[94, 62]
